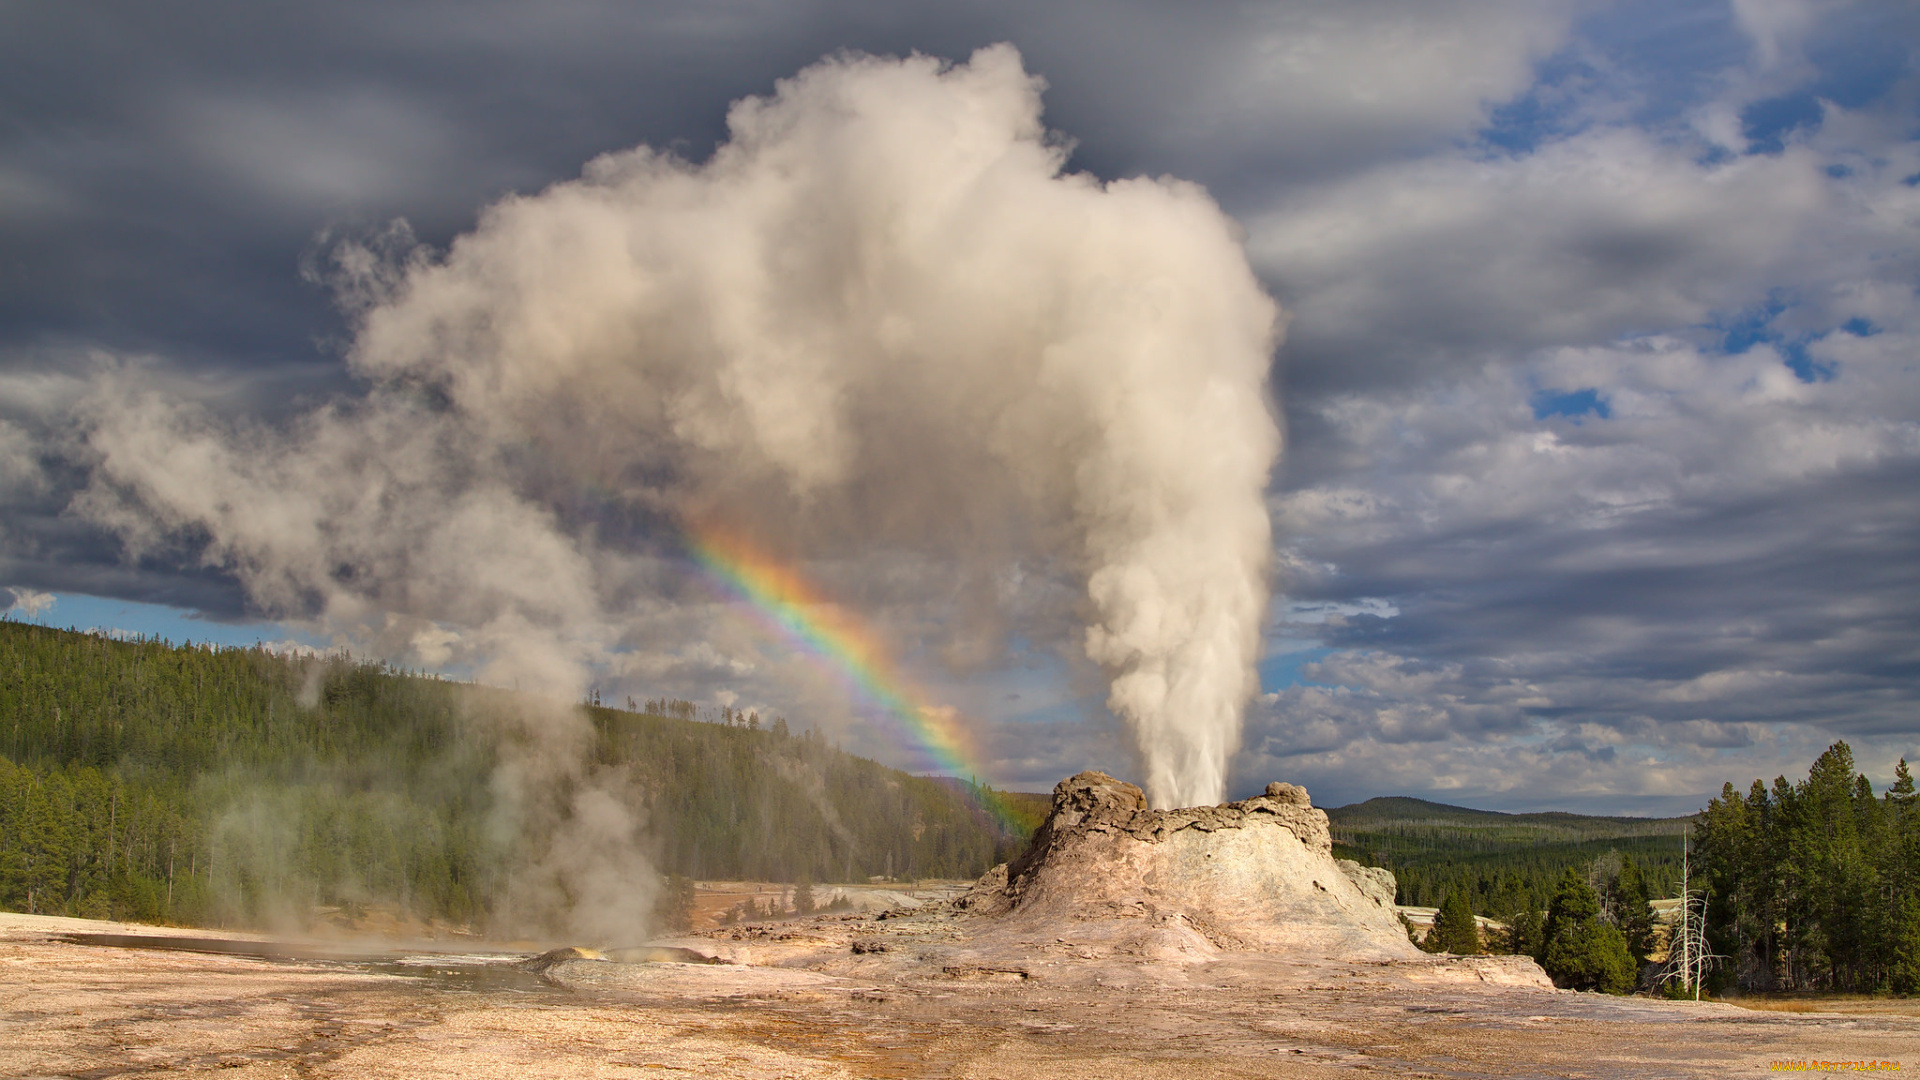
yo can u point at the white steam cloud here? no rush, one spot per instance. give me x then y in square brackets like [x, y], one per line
[30, 603]
[881, 318]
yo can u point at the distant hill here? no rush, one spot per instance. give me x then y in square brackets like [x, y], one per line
[1026, 808]
[176, 783]
[1402, 815]
[1434, 849]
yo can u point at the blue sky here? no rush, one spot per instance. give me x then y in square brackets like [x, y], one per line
[126, 618]
[1601, 482]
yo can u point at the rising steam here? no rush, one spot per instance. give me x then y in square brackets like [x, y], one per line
[881, 318]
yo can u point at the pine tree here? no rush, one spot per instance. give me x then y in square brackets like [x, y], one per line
[1427, 942]
[1526, 933]
[1582, 951]
[1633, 913]
[1900, 855]
[1454, 929]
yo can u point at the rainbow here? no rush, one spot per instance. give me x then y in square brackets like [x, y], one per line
[829, 632]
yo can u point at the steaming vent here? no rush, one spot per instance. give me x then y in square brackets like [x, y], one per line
[1258, 874]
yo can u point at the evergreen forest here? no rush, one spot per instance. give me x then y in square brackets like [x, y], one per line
[1814, 885]
[1806, 886]
[216, 786]
[1499, 863]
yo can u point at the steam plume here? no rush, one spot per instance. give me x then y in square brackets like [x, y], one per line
[881, 318]
[31, 603]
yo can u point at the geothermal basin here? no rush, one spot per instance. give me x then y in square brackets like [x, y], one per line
[1205, 942]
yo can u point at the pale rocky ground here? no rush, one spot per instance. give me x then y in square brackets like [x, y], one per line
[1034, 974]
[91, 1011]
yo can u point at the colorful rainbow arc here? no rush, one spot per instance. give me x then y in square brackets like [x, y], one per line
[829, 632]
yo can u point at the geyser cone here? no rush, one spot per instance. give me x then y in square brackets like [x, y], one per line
[1256, 875]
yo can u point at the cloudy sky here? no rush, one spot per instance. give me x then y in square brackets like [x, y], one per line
[1601, 481]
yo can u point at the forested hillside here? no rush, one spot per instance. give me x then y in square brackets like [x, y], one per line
[186, 784]
[1501, 863]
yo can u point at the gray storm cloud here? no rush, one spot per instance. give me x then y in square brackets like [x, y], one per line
[881, 318]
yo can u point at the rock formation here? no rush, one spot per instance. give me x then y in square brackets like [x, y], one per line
[1252, 875]
[1375, 882]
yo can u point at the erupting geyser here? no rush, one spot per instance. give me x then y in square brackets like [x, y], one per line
[881, 327]
[883, 318]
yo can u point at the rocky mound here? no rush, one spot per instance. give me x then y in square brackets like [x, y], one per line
[1254, 875]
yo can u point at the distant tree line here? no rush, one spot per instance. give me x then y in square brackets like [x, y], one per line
[1502, 882]
[1500, 863]
[678, 709]
[187, 784]
[1807, 886]
[1814, 885]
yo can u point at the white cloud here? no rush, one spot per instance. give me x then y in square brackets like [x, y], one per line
[1318, 87]
[1778, 27]
[20, 467]
[340, 147]
[1435, 735]
[1458, 259]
